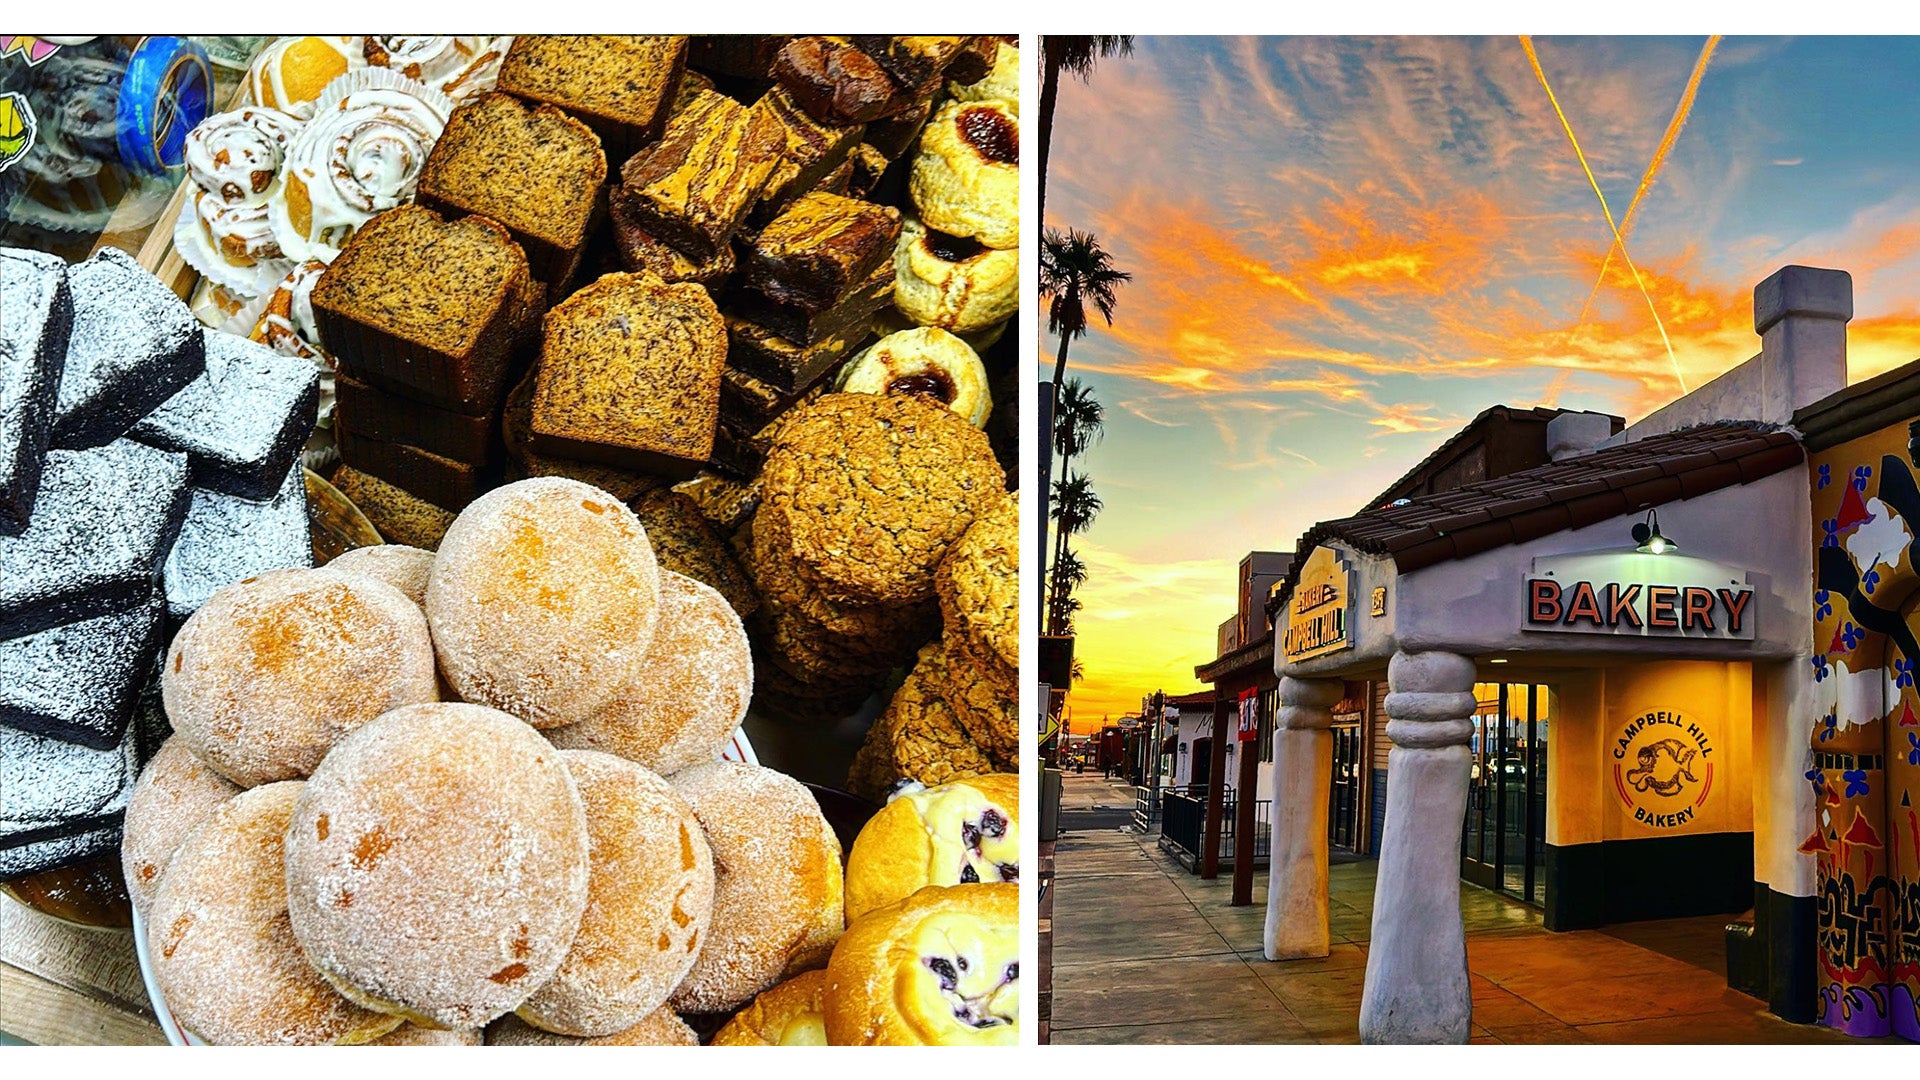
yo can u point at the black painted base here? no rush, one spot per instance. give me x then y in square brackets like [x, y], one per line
[1791, 964]
[1663, 877]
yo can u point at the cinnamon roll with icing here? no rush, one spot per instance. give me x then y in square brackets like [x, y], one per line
[236, 156]
[361, 154]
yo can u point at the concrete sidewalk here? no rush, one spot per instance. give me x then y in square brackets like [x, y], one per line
[1143, 952]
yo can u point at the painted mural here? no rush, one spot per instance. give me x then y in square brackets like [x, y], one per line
[1866, 739]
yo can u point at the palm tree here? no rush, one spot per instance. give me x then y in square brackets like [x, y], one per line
[1079, 420]
[1075, 271]
[1075, 506]
[1075, 56]
[1069, 573]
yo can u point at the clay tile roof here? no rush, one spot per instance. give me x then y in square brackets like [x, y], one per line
[1569, 494]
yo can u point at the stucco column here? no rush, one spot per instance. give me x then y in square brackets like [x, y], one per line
[1302, 784]
[1417, 989]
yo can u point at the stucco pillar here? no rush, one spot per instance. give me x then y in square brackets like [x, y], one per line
[1302, 784]
[1417, 989]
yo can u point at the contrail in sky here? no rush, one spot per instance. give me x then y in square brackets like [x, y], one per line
[1534, 58]
[1680, 114]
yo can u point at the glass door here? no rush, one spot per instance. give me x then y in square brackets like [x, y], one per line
[1343, 811]
[1503, 846]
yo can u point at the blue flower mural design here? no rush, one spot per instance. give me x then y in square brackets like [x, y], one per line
[1826, 476]
[1817, 778]
[1856, 782]
[1871, 580]
[1829, 726]
[1860, 477]
[1913, 755]
[1819, 669]
[1831, 527]
[1851, 636]
[1902, 671]
[1822, 603]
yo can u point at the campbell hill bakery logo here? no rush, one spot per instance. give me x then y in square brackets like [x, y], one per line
[1317, 613]
[1661, 769]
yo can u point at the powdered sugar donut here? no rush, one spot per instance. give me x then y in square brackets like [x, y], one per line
[405, 568]
[691, 694]
[437, 864]
[777, 892]
[271, 670]
[543, 600]
[222, 955]
[176, 792]
[649, 901]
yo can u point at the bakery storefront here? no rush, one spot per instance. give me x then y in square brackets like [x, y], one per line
[1601, 674]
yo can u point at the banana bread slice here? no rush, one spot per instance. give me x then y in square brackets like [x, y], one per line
[428, 304]
[534, 169]
[620, 85]
[630, 375]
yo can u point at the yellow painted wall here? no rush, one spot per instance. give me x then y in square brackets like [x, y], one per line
[1591, 709]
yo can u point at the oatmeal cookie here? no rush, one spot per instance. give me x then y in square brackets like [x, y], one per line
[873, 489]
[786, 590]
[979, 583]
[918, 738]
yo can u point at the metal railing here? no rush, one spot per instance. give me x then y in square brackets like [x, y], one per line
[1184, 819]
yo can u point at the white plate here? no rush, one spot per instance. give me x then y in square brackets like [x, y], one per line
[740, 750]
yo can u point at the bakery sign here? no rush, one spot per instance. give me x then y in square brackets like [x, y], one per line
[1638, 595]
[1317, 611]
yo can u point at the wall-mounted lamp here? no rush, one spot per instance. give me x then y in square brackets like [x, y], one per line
[1647, 535]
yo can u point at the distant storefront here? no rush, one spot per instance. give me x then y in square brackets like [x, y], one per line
[1621, 684]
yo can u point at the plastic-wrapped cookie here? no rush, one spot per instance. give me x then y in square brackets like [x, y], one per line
[959, 833]
[217, 932]
[272, 670]
[649, 902]
[778, 883]
[175, 793]
[966, 180]
[692, 692]
[926, 361]
[953, 282]
[437, 864]
[791, 1014]
[940, 968]
[543, 599]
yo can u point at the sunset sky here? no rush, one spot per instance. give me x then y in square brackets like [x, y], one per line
[1344, 249]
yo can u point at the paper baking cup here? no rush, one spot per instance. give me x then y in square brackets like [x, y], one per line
[196, 250]
[379, 78]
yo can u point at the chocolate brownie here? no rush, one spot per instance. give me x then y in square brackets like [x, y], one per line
[35, 322]
[819, 250]
[630, 375]
[873, 489]
[429, 305]
[750, 404]
[620, 85]
[533, 169]
[134, 345]
[916, 60]
[74, 841]
[641, 251]
[869, 167]
[787, 366]
[77, 682]
[391, 418]
[102, 525]
[243, 422]
[847, 315]
[813, 149]
[227, 539]
[48, 782]
[694, 187]
[837, 83]
[740, 56]
[894, 134]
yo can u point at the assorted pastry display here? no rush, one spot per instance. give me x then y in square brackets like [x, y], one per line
[673, 372]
